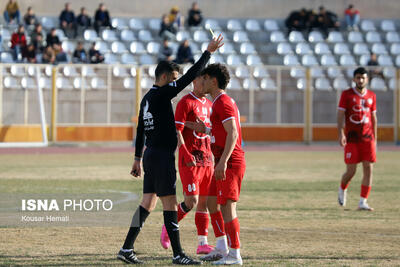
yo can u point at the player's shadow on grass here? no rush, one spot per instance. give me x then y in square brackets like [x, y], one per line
[75, 259]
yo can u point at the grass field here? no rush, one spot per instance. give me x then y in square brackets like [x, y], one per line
[288, 212]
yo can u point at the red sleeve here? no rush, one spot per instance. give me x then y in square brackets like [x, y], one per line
[226, 110]
[342, 101]
[13, 40]
[181, 112]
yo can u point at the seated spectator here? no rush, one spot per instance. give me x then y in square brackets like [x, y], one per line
[373, 62]
[327, 20]
[312, 20]
[167, 30]
[52, 38]
[48, 55]
[30, 17]
[83, 20]
[18, 43]
[61, 56]
[352, 17]
[67, 21]
[297, 20]
[101, 18]
[165, 52]
[95, 56]
[194, 17]
[80, 55]
[175, 17]
[12, 12]
[30, 53]
[184, 54]
[37, 38]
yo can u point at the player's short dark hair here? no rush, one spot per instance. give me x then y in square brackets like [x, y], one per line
[360, 70]
[218, 71]
[166, 67]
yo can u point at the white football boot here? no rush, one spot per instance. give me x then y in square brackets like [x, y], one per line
[229, 260]
[363, 205]
[214, 255]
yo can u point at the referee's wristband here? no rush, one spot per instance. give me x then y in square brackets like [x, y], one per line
[208, 130]
[138, 158]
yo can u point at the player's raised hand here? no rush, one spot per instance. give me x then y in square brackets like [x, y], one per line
[199, 125]
[215, 43]
[136, 168]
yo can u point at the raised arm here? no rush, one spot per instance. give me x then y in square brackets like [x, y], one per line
[193, 72]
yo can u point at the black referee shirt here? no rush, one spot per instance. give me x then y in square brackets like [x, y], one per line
[156, 117]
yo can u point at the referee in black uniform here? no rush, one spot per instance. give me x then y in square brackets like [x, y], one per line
[156, 123]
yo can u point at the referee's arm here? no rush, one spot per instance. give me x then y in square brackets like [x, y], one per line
[139, 144]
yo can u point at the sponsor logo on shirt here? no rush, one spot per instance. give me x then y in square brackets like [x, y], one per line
[147, 118]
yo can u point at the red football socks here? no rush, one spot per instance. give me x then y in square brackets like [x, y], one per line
[365, 191]
[218, 224]
[233, 231]
[181, 213]
[344, 186]
[201, 220]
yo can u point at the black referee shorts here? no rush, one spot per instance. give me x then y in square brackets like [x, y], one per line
[159, 172]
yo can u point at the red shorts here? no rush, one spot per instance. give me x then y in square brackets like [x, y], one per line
[357, 152]
[228, 188]
[195, 180]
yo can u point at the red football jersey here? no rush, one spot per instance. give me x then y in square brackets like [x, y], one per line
[223, 109]
[198, 144]
[358, 113]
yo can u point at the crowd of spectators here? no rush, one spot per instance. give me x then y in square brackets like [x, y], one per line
[324, 20]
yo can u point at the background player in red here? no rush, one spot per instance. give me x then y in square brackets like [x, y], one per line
[196, 169]
[357, 112]
[226, 145]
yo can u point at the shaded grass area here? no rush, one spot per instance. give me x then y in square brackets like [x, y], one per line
[288, 212]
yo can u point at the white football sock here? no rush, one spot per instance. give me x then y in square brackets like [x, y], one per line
[363, 200]
[202, 240]
[222, 243]
[234, 252]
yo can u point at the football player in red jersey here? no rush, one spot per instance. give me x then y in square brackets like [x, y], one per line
[226, 145]
[357, 127]
[196, 169]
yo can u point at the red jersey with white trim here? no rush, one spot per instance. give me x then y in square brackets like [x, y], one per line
[358, 113]
[224, 108]
[198, 144]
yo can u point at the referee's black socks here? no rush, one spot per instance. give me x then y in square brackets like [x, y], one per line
[137, 222]
[171, 224]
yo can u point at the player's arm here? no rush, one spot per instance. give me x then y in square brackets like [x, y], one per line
[139, 144]
[340, 127]
[230, 142]
[374, 121]
[188, 157]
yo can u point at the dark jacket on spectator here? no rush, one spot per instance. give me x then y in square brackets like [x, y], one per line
[67, 16]
[51, 40]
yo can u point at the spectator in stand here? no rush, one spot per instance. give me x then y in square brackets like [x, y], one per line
[67, 21]
[175, 17]
[374, 71]
[165, 52]
[101, 18]
[80, 55]
[12, 12]
[30, 17]
[95, 56]
[83, 20]
[194, 17]
[48, 55]
[327, 20]
[312, 20]
[352, 17]
[18, 43]
[37, 38]
[167, 29]
[184, 54]
[52, 38]
[297, 20]
[30, 53]
[61, 56]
